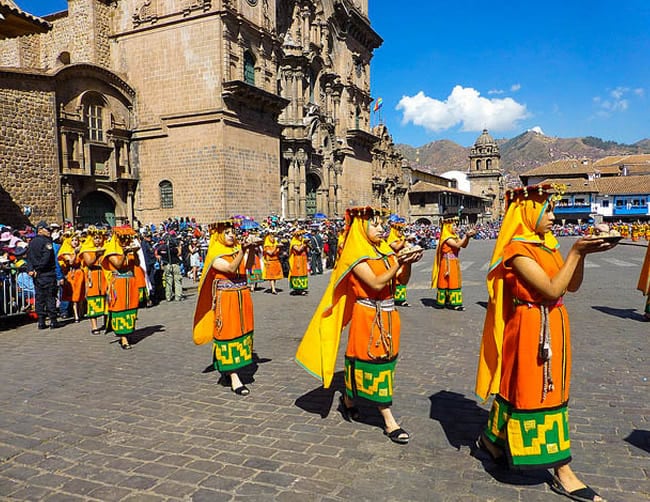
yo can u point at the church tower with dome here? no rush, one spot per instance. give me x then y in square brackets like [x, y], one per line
[485, 174]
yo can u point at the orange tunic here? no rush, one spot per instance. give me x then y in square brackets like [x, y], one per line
[521, 371]
[449, 275]
[272, 265]
[233, 306]
[73, 285]
[365, 341]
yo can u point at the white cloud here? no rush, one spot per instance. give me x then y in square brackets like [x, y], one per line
[515, 87]
[496, 91]
[538, 130]
[463, 106]
[617, 100]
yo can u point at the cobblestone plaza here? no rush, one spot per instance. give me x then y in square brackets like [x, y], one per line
[83, 420]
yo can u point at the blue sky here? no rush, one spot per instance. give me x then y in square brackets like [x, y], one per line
[447, 70]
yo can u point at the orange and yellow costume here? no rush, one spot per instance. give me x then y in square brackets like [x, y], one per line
[96, 282]
[643, 284]
[446, 274]
[71, 266]
[298, 278]
[374, 334]
[272, 265]
[224, 310]
[525, 356]
[397, 241]
[122, 289]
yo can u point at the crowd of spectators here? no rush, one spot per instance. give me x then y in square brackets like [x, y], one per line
[176, 247]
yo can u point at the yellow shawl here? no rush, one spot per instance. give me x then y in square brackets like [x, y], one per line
[296, 240]
[518, 224]
[319, 346]
[446, 233]
[203, 313]
[66, 248]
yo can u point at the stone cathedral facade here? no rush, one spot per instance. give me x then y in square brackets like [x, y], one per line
[203, 108]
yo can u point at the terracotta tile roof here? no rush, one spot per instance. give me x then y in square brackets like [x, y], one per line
[617, 160]
[623, 185]
[574, 185]
[17, 22]
[562, 167]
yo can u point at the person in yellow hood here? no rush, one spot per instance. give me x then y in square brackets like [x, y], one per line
[525, 356]
[224, 309]
[446, 274]
[360, 293]
[91, 253]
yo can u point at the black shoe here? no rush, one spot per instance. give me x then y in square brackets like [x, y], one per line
[54, 325]
[42, 325]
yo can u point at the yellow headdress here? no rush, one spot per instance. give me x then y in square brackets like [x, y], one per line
[524, 208]
[319, 346]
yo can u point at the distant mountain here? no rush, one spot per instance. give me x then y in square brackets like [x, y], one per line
[519, 154]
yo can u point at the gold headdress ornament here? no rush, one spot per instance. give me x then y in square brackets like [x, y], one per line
[550, 191]
[450, 219]
[124, 231]
[92, 230]
[221, 225]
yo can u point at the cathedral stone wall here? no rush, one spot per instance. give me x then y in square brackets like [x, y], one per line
[175, 70]
[28, 150]
[356, 181]
[215, 172]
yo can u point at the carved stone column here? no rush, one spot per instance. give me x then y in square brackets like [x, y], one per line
[129, 206]
[65, 155]
[302, 180]
[338, 203]
[68, 203]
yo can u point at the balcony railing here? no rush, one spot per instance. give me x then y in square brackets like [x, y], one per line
[633, 210]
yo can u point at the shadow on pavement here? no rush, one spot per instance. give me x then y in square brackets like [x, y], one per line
[640, 439]
[461, 418]
[622, 313]
[428, 302]
[319, 401]
[246, 374]
[482, 304]
[142, 333]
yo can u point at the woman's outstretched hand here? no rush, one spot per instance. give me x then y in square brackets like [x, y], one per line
[587, 245]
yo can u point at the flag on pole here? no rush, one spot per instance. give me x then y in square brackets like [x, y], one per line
[378, 104]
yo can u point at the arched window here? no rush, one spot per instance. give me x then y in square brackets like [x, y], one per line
[93, 115]
[478, 165]
[166, 194]
[357, 118]
[249, 68]
[488, 164]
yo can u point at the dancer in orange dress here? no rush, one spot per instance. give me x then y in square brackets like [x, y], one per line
[525, 356]
[91, 253]
[298, 277]
[446, 274]
[272, 265]
[119, 262]
[360, 293]
[224, 309]
[397, 241]
[71, 264]
[643, 284]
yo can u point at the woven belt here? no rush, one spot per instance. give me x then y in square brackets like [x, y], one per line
[549, 305]
[382, 305]
[230, 285]
[122, 274]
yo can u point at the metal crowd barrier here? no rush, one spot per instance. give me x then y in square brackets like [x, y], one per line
[13, 299]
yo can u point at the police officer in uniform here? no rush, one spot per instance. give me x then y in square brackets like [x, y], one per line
[42, 267]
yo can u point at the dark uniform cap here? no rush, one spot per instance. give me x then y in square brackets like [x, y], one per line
[42, 224]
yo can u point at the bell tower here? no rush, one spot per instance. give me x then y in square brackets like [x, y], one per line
[485, 174]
